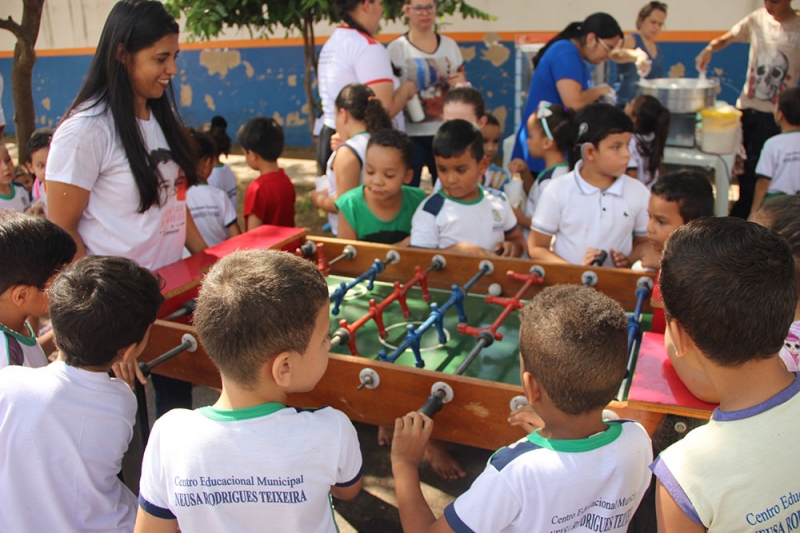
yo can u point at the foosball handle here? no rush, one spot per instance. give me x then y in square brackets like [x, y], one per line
[432, 406]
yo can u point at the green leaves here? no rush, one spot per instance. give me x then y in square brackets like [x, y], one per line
[205, 19]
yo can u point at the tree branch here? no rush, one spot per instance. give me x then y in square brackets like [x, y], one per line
[12, 26]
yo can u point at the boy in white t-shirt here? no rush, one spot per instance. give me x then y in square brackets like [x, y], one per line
[464, 216]
[12, 196]
[595, 208]
[250, 463]
[739, 472]
[778, 169]
[65, 427]
[577, 472]
[212, 210]
[32, 251]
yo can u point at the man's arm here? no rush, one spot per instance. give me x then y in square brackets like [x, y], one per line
[704, 58]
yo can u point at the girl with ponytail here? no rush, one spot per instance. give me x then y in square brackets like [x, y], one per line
[650, 129]
[561, 77]
[352, 55]
[359, 114]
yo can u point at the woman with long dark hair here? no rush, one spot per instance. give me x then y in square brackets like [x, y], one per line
[561, 77]
[120, 161]
[352, 55]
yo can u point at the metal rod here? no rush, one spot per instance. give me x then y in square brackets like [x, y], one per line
[189, 343]
[479, 345]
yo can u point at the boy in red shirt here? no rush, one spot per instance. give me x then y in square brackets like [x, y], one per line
[270, 198]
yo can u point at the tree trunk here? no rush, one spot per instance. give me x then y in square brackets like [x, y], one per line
[27, 32]
[310, 53]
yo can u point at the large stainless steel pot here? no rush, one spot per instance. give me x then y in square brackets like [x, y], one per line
[682, 95]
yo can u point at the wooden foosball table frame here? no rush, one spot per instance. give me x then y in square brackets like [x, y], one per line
[477, 414]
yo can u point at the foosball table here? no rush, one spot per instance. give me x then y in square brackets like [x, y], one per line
[416, 329]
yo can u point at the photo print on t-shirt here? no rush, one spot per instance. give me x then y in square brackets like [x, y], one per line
[173, 190]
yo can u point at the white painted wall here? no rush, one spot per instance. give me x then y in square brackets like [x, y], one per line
[77, 23]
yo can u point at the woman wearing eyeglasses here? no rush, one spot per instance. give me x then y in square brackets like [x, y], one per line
[560, 75]
[435, 64]
[639, 56]
[353, 55]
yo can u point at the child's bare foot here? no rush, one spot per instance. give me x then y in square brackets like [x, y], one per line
[385, 435]
[441, 461]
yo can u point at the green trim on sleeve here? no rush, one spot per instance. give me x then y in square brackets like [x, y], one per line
[233, 415]
[30, 340]
[579, 445]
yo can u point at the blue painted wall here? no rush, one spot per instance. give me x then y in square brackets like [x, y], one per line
[273, 84]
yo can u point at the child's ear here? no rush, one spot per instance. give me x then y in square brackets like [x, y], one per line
[483, 165]
[409, 176]
[685, 348]
[481, 122]
[29, 166]
[533, 391]
[547, 143]
[588, 151]
[132, 352]
[281, 369]
[19, 294]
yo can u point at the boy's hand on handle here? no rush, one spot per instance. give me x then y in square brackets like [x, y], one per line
[411, 434]
[505, 249]
[591, 255]
[620, 260]
[526, 419]
[129, 372]
[517, 165]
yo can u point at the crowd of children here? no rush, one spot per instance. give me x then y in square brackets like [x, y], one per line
[604, 198]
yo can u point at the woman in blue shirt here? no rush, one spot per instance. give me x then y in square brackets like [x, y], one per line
[560, 75]
[640, 46]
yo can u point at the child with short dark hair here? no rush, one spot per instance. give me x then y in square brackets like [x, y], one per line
[222, 177]
[778, 169]
[676, 199]
[272, 465]
[595, 208]
[33, 251]
[463, 216]
[12, 196]
[576, 472]
[735, 473]
[212, 210]
[38, 148]
[270, 197]
[66, 426]
[650, 129]
[380, 210]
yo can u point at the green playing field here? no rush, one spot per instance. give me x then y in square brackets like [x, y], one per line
[499, 362]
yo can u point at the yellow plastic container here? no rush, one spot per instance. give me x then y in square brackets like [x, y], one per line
[721, 129]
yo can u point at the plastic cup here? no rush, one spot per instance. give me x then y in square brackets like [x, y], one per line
[414, 108]
[513, 190]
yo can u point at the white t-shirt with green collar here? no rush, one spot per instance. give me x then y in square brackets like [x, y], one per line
[245, 470]
[780, 162]
[23, 350]
[17, 200]
[538, 484]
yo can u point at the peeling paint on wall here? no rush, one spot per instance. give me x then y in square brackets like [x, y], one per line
[278, 118]
[248, 69]
[210, 102]
[468, 53]
[495, 52]
[186, 95]
[46, 103]
[292, 80]
[294, 119]
[220, 61]
[678, 70]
